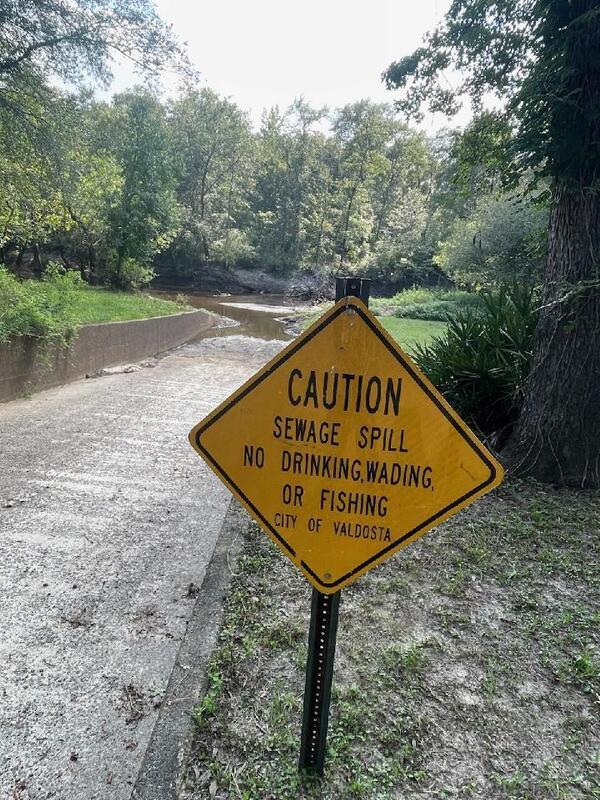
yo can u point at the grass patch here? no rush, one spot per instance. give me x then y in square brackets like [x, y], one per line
[41, 309]
[412, 332]
[93, 304]
[53, 308]
[409, 333]
[467, 666]
[208, 705]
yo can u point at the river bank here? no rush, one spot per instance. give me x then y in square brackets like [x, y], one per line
[275, 317]
[307, 285]
[30, 364]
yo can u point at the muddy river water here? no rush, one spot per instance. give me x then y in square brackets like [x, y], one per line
[255, 316]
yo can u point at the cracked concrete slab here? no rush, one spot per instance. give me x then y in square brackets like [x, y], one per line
[107, 523]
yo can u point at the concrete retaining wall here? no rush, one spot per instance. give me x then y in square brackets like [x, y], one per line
[26, 365]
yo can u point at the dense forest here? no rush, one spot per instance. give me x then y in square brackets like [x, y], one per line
[125, 188]
[135, 186]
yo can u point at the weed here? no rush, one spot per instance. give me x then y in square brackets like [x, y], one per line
[208, 705]
[510, 782]
[450, 619]
[400, 660]
[281, 706]
[581, 670]
[494, 668]
[456, 584]
[283, 636]
[423, 303]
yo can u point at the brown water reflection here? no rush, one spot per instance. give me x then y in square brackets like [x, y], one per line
[257, 316]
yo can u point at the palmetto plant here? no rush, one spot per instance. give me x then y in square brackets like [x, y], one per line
[482, 362]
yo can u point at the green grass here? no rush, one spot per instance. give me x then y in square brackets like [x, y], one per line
[407, 332]
[410, 332]
[93, 304]
[52, 309]
[208, 705]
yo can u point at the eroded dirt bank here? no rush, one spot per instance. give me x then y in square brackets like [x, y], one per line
[314, 285]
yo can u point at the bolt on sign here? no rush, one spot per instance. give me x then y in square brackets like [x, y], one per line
[342, 450]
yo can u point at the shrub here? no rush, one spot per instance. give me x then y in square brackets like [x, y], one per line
[133, 275]
[42, 309]
[482, 361]
[422, 303]
[504, 240]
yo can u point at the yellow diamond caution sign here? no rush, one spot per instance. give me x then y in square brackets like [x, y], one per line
[342, 450]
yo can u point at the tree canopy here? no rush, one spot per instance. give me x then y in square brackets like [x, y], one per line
[538, 58]
[541, 58]
[72, 39]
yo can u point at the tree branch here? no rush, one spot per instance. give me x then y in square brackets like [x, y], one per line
[10, 64]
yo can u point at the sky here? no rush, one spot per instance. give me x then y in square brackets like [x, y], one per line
[261, 53]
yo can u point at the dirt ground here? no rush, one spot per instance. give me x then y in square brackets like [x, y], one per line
[467, 666]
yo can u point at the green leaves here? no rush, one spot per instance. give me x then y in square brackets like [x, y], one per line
[538, 57]
[212, 145]
[483, 360]
[502, 240]
[146, 217]
[71, 40]
[355, 198]
[42, 309]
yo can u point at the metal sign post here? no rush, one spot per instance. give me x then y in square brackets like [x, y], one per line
[323, 629]
[319, 673]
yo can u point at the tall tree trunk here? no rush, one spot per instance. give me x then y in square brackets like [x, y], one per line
[91, 268]
[317, 257]
[36, 264]
[228, 224]
[385, 201]
[557, 438]
[203, 194]
[344, 245]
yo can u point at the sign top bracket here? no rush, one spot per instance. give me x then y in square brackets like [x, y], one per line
[353, 287]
